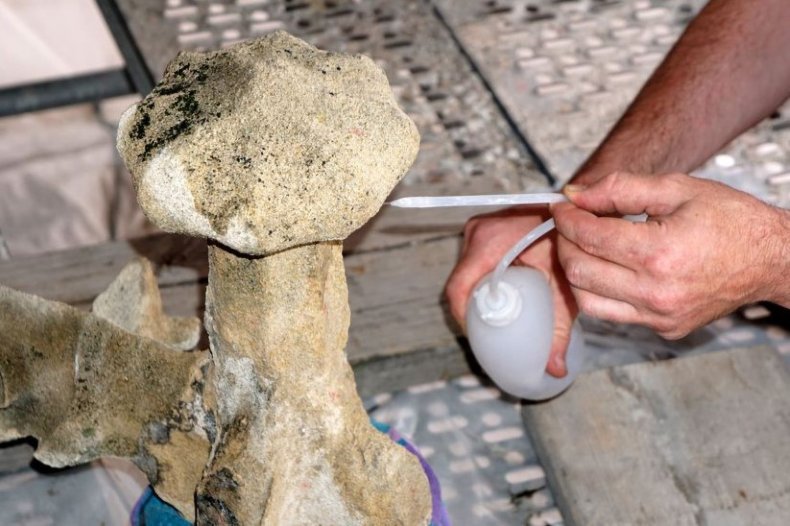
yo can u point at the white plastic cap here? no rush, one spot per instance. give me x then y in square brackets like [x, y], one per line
[498, 307]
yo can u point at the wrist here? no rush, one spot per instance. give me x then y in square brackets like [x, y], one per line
[612, 156]
[776, 288]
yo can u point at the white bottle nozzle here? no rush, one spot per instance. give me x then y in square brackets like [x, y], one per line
[498, 307]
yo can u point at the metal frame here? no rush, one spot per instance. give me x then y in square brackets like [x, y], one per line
[91, 87]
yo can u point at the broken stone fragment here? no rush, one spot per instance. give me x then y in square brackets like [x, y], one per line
[273, 148]
[85, 388]
[266, 145]
[133, 303]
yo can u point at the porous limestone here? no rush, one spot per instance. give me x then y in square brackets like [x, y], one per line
[133, 303]
[269, 144]
[277, 151]
[85, 388]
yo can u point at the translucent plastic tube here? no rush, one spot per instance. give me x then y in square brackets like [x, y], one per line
[478, 200]
[533, 235]
[541, 198]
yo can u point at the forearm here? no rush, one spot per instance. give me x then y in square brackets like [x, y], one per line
[729, 70]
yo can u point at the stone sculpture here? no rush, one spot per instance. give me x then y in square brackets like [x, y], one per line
[274, 151]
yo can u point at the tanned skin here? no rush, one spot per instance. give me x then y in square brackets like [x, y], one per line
[706, 248]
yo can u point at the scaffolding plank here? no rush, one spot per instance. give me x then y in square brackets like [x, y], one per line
[698, 440]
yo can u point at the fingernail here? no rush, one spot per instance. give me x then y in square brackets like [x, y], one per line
[573, 188]
[558, 362]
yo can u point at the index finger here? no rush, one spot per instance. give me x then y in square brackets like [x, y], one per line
[617, 240]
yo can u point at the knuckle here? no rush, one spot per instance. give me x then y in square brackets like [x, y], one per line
[618, 181]
[482, 228]
[673, 333]
[597, 243]
[664, 300]
[455, 301]
[662, 263]
[611, 181]
[573, 272]
[664, 326]
[587, 305]
[451, 289]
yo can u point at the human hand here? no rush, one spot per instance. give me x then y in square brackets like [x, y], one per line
[487, 238]
[705, 249]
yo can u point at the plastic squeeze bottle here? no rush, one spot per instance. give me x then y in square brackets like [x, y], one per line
[510, 324]
[510, 316]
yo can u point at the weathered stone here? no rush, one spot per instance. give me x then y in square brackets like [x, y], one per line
[85, 388]
[275, 148]
[267, 145]
[295, 440]
[133, 303]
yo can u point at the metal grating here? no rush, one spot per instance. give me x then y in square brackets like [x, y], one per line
[566, 70]
[464, 135]
[473, 437]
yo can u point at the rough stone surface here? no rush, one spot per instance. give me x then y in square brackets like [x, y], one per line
[266, 145]
[295, 445]
[698, 440]
[85, 388]
[133, 303]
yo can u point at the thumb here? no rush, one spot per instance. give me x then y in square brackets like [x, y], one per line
[632, 194]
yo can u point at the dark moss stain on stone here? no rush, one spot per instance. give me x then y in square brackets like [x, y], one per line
[174, 106]
[169, 135]
[187, 104]
[244, 161]
[181, 70]
[138, 130]
[210, 426]
[197, 386]
[206, 100]
[159, 433]
[212, 511]
[223, 479]
[148, 465]
[169, 89]
[202, 73]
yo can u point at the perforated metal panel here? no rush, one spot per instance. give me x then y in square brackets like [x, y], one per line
[464, 135]
[567, 69]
